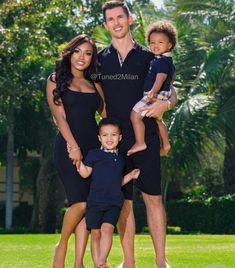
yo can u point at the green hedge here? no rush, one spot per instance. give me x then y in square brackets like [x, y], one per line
[21, 216]
[215, 215]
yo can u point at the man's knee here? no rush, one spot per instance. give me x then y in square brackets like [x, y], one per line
[153, 201]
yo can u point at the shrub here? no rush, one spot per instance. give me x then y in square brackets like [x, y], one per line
[214, 215]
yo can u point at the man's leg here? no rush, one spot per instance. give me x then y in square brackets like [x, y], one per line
[156, 218]
[126, 229]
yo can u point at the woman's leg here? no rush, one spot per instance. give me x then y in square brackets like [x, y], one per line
[72, 217]
[81, 237]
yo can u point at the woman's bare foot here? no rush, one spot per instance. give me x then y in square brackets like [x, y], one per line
[59, 256]
[165, 149]
[137, 148]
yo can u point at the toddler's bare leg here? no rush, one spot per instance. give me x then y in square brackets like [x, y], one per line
[95, 245]
[139, 130]
[163, 132]
[105, 243]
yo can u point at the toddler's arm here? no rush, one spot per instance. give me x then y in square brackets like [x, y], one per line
[160, 78]
[134, 174]
[84, 171]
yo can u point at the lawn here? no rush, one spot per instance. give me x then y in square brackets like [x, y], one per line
[183, 251]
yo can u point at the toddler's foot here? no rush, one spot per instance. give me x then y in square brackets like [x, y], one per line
[59, 256]
[165, 149]
[137, 148]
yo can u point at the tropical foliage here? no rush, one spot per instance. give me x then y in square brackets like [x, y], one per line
[201, 127]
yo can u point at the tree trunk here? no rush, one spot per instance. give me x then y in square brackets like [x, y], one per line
[229, 163]
[49, 199]
[9, 172]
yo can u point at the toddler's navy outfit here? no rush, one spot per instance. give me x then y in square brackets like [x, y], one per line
[105, 198]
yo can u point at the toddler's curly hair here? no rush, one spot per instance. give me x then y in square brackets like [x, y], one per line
[166, 27]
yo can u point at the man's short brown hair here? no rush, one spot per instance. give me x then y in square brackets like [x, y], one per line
[114, 4]
[166, 27]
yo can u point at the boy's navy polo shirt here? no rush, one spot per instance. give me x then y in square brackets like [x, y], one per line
[107, 174]
[123, 87]
[162, 64]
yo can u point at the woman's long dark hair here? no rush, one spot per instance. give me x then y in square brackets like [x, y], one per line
[63, 75]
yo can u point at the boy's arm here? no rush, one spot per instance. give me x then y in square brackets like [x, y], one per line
[160, 78]
[134, 174]
[84, 171]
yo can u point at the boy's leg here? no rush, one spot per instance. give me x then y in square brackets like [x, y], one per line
[163, 132]
[95, 246]
[105, 243]
[126, 230]
[139, 130]
[94, 215]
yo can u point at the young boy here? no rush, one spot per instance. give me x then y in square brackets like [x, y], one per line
[105, 199]
[162, 37]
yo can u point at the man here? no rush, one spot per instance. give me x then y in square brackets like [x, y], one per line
[124, 65]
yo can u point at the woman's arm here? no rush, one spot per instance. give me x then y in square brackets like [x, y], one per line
[102, 109]
[60, 118]
[84, 171]
[134, 174]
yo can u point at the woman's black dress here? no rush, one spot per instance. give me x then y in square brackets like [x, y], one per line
[80, 109]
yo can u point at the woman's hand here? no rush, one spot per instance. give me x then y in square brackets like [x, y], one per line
[75, 155]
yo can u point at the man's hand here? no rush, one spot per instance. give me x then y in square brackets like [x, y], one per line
[156, 109]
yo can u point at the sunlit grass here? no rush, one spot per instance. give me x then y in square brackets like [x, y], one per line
[183, 251]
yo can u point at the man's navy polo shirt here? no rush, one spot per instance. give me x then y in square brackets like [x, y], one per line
[107, 174]
[123, 87]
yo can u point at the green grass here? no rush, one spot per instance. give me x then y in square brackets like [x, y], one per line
[183, 251]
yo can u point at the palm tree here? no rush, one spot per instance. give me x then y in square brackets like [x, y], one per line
[202, 122]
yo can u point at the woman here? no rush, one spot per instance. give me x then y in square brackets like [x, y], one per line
[73, 100]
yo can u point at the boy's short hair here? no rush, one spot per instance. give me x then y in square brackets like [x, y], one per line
[114, 4]
[166, 27]
[109, 121]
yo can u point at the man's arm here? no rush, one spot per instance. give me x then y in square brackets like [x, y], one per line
[160, 106]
